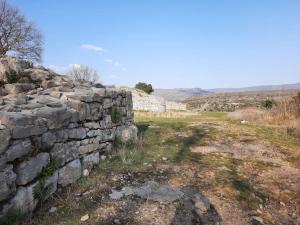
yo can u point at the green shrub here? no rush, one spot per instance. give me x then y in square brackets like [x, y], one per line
[115, 114]
[268, 104]
[144, 87]
[49, 170]
[11, 76]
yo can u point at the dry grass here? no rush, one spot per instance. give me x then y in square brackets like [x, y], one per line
[168, 114]
[285, 114]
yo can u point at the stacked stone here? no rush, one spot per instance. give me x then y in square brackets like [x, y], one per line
[55, 138]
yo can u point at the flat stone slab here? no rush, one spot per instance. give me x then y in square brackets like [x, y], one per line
[151, 190]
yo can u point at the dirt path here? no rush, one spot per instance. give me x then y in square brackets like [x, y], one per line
[214, 171]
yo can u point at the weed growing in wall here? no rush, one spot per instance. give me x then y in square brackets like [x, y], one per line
[115, 114]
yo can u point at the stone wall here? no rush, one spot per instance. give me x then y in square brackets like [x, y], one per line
[50, 138]
[152, 103]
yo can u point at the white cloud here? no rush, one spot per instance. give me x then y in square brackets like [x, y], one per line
[124, 69]
[92, 47]
[109, 61]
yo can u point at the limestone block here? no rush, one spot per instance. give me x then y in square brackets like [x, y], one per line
[77, 133]
[4, 139]
[27, 131]
[69, 173]
[106, 122]
[108, 135]
[95, 133]
[62, 153]
[126, 133]
[30, 169]
[78, 106]
[55, 117]
[25, 199]
[92, 125]
[11, 119]
[18, 149]
[88, 148]
[90, 160]
[107, 103]
[7, 182]
[47, 140]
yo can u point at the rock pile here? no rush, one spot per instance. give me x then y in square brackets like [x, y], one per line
[53, 130]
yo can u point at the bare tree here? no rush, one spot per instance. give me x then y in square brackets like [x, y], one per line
[17, 35]
[83, 73]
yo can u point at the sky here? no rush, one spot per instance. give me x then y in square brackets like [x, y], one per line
[172, 43]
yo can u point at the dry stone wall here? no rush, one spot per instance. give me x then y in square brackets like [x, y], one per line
[152, 103]
[51, 137]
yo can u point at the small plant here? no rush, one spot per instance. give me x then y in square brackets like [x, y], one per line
[49, 170]
[115, 114]
[11, 76]
[268, 104]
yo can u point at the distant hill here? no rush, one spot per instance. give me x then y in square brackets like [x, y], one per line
[257, 88]
[179, 94]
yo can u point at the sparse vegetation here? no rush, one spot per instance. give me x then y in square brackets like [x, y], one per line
[11, 76]
[227, 178]
[115, 114]
[268, 104]
[144, 87]
[82, 73]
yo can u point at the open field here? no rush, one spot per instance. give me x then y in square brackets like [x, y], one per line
[235, 100]
[248, 174]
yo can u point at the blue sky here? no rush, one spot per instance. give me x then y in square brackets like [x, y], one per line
[171, 43]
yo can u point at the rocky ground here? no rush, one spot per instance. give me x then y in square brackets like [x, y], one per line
[228, 102]
[198, 169]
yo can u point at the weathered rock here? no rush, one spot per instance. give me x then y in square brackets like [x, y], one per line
[126, 133]
[25, 199]
[27, 131]
[50, 184]
[92, 125]
[47, 141]
[77, 133]
[65, 152]
[4, 139]
[156, 192]
[21, 99]
[30, 169]
[37, 75]
[107, 103]
[90, 160]
[91, 147]
[69, 173]
[18, 149]
[7, 182]
[18, 88]
[8, 64]
[55, 117]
